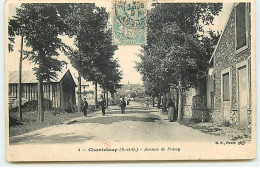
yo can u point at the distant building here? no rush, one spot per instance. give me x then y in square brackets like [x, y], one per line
[229, 85]
[61, 90]
[130, 90]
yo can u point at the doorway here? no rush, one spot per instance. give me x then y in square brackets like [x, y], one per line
[226, 93]
[242, 91]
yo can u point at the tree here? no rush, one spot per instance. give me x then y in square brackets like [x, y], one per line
[40, 25]
[111, 76]
[93, 57]
[13, 30]
[152, 76]
[152, 89]
[175, 54]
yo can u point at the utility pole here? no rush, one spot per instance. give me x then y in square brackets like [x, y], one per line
[107, 97]
[96, 95]
[20, 82]
[79, 92]
[180, 100]
[40, 100]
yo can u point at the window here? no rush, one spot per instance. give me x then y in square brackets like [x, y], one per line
[53, 91]
[226, 94]
[241, 26]
[10, 89]
[49, 91]
[15, 91]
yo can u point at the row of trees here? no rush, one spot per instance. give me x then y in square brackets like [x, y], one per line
[42, 27]
[177, 50]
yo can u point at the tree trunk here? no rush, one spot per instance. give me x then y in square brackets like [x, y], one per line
[40, 101]
[95, 95]
[104, 95]
[176, 98]
[153, 101]
[112, 94]
[107, 98]
[159, 101]
[20, 82]
[180, 101]
[79, 93]
[164, 109]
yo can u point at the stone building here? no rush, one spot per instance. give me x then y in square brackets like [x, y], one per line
[229, 81]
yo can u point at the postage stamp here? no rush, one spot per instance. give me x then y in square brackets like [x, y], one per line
[129, 22]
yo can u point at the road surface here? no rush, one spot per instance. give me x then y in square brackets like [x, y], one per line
[139, 124]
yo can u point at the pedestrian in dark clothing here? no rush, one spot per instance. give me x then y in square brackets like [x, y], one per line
[103, 106]
[171, 110]
[128, 101]
[123, 105]
[85, 107]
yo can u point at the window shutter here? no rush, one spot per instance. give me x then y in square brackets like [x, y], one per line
[241, 25]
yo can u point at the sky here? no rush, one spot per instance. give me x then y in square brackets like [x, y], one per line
[127, 55]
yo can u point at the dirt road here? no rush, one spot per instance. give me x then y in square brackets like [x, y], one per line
[139, 124]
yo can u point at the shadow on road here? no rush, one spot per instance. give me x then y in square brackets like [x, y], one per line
[63, 138]
[132, 110]
[127, 111]
[114, 119]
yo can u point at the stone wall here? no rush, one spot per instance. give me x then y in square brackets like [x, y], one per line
[187, 101]
[200, 112]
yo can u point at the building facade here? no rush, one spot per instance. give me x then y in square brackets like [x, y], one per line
[229, 81]
[60, 91]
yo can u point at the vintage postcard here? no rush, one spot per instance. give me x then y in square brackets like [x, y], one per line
[130, 80]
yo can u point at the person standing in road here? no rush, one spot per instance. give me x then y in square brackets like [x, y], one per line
[171, 110]
[85, 107]
[123, 105]
[103, 105]
[147, 103]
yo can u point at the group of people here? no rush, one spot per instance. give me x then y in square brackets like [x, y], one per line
[84, 106]
[104, 105]
[123, 103]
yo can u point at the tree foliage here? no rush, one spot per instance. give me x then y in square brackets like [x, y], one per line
[176, 47]
[41, 26]
[93, 57]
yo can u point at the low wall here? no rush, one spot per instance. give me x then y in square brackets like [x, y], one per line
[200, 112]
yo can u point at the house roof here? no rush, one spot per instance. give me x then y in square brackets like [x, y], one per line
[29, 76]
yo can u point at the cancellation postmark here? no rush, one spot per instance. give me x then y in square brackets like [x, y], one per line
[129, 22]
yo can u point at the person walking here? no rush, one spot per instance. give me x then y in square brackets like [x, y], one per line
[85, 107]
[147, 103]
[171, 110]
[123, 105]
[103, 105]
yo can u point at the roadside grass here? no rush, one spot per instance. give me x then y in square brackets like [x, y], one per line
[30, 121]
